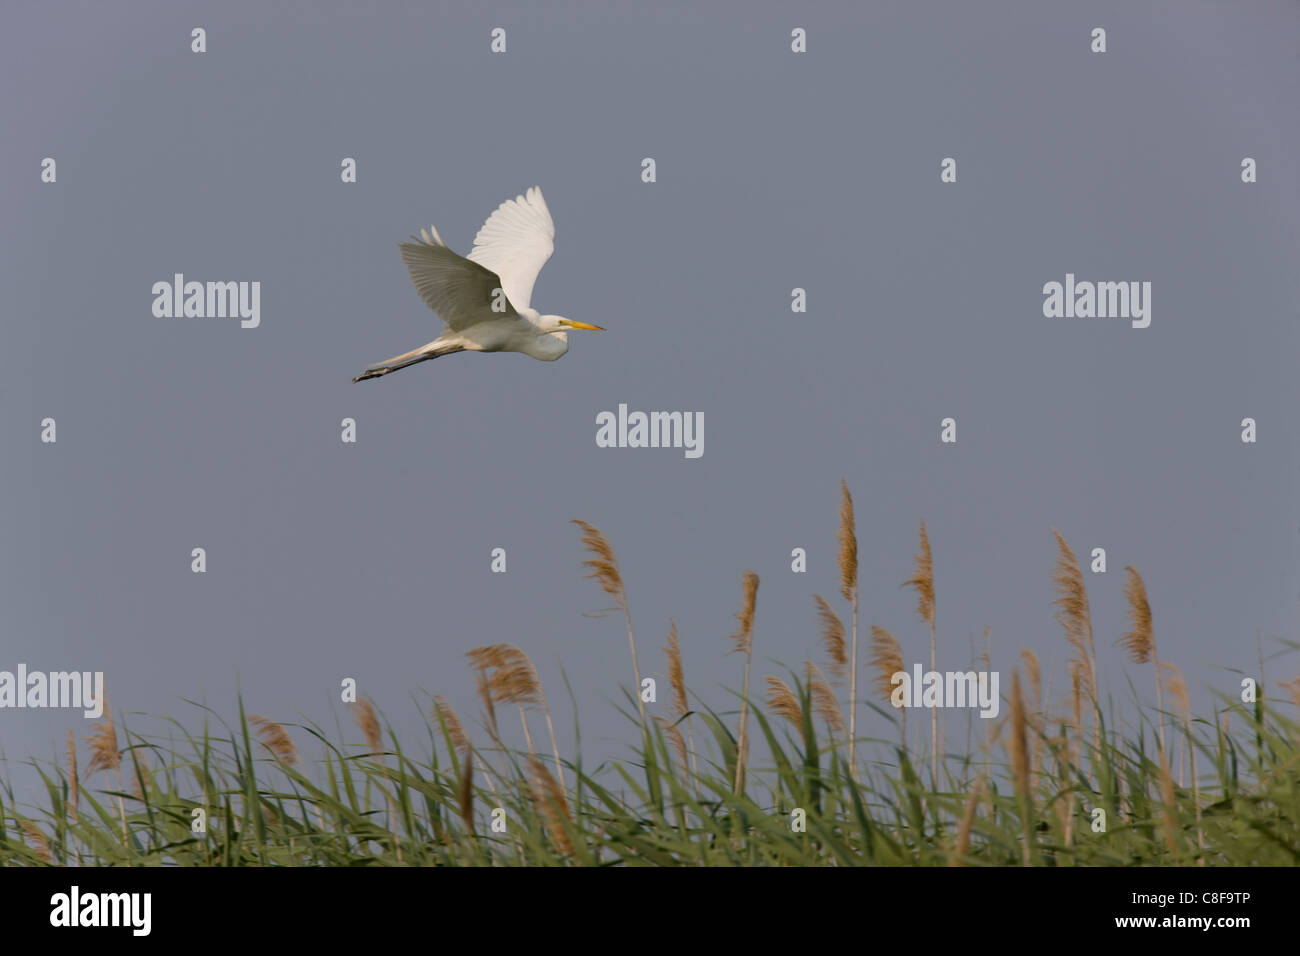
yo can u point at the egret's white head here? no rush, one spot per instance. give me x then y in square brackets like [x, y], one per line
[558, 323]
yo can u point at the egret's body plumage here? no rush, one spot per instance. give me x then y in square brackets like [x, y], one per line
[484, 299]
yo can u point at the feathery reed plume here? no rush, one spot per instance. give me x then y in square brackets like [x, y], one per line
[676, 672]
[922, 580]
[848, 539]
[962, 846]
[443, 713]
[276, 739]
[74, 780]
[744, 641]
[782, 701]
[887, 659]
[369, 723]
[514, 680]
[489, 655]
[675, 737]
[825, 705]
[549, 798]
[603, 562]
[1020, 759]
[1075, 617]
[832, 637]
[677, 678]
[1140, 642]
[603, 567]
[36, 837]
[848, 561]
[104, 755]
[517, 682]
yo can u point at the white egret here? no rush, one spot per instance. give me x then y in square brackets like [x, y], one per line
[484, 298]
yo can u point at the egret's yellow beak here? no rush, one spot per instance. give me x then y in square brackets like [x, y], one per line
[580, 325]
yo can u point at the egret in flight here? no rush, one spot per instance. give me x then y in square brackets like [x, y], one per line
[484, 298]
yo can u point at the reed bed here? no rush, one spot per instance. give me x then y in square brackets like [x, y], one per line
[1044, 789]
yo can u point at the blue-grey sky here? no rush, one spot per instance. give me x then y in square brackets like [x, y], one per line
[775, 170]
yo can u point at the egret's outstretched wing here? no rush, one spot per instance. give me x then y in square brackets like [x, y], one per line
[515, 243]
[460, 291]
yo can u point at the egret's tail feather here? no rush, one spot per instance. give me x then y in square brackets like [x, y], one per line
[408, 358]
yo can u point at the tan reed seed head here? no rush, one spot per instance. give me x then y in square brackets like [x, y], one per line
[833, 637]
[104, 754]
[487, 656]
[516, 681]
[1072, 610]
[825, 705]
[455, 729]
[368, 721]
[782, 701]
[552, 804]
[848, 539]
[36, 838]
[1140, 642]
[923, 580]
[602, 565]
[676, 672]
[275, 738]
[744, 635]
[887, 659]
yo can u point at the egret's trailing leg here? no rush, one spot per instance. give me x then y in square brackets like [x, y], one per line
[408, 358]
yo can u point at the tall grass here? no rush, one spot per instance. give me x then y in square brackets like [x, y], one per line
[264, 791]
